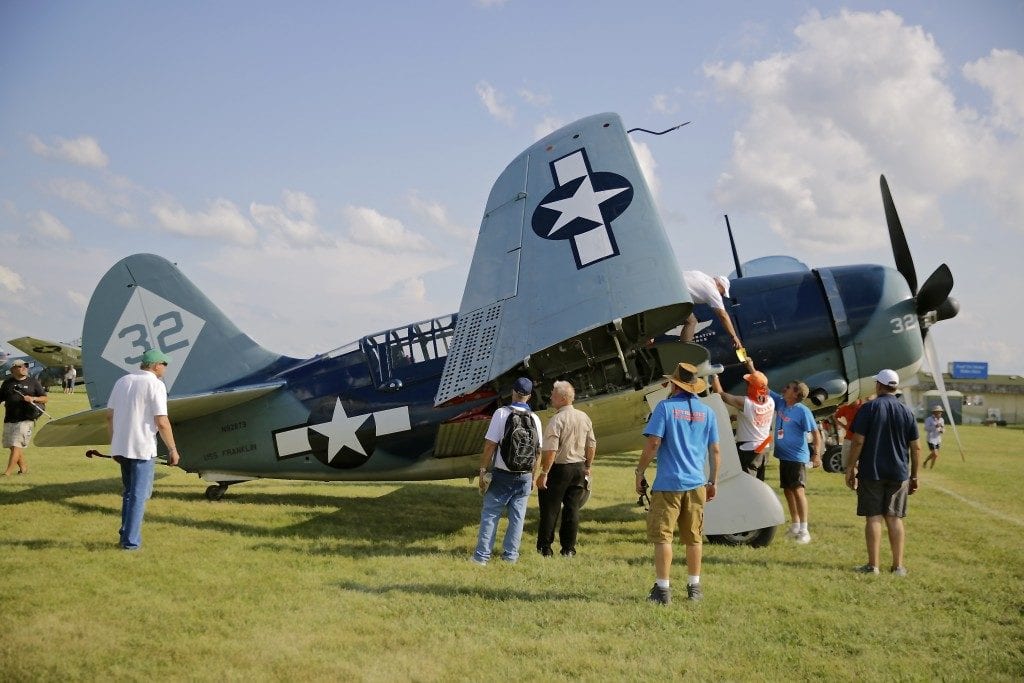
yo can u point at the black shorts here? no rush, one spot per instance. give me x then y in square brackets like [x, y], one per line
[882, 497]
[792, 475]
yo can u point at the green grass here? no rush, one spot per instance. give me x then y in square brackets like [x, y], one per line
[332, 581]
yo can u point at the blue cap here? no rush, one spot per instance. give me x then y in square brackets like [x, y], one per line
[523, 386]
[154, 356]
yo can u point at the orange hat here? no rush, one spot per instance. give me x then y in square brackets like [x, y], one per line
[757, 386]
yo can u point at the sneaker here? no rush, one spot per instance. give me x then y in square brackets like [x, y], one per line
[546, 552]
[803, 537]
[693, 592]
[660, 596]
[866, 569]
[792, 533]
[898, 571]
[568, 553]
[476, 560]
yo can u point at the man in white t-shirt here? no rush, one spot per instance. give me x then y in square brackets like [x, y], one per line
[708, 290]
[504, 487]
[136, 413]
[754, 422]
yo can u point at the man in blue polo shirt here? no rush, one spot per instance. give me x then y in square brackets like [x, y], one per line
[885, 446]
[793, 422]
[682, 432]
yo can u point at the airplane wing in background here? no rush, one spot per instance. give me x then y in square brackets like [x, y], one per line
[571, 252]
[49, 353]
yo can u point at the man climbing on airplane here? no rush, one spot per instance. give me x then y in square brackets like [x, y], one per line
[705, 289]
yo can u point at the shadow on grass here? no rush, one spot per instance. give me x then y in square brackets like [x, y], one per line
[447, 590]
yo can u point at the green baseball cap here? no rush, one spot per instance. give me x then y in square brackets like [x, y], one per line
[154, 356]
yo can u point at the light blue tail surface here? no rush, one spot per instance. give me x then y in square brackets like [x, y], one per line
[145, 302]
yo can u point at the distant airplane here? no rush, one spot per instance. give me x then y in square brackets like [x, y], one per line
[572, 275]
[6, 360]
[53, 357]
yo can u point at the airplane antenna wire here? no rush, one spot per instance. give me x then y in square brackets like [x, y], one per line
[667, 130]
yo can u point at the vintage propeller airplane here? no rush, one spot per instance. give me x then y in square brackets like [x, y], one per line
[52, 357]
[571, 276]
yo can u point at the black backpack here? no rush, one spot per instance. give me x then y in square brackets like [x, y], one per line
[519, 444]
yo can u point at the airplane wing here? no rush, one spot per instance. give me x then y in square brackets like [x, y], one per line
[49, 353]
[90, 427]
[570, 243]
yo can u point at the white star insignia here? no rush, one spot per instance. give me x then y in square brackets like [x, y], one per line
[341, 431]
[584, 203]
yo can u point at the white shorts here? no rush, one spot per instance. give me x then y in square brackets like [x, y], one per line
[17, 434]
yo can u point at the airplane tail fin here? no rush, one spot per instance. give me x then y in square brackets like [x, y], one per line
[145, 302]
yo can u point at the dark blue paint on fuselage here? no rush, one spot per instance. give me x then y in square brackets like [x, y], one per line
[785, 318]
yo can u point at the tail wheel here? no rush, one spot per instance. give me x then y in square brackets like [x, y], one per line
[758, 538]
[216, 492]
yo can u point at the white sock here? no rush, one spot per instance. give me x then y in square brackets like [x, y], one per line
[692, 580]
[803, 527]
[795, 528]
[661, 583]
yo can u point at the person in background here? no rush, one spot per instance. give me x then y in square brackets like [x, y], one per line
[882, 469]
[708, 290]
[793, 423]
[934, 425]
[22, 396]
[682, 433]
[569, 448]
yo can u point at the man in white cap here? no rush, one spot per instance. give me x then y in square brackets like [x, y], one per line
[136, 413]
[882, 469]
[22, 396]
[934, 425]
[682, 432]
[708, 290]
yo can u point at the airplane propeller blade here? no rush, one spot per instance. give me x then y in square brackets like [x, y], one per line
[932, 358]
[935, 290]
[900, 248]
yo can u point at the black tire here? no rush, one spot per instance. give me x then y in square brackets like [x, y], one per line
[758, 538]
[832, 460]
[215, 492]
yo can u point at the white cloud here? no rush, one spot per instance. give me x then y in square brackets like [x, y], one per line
[369, 227]
[547, 126]
[10, 280]
[648, 166]
[115, 204]
[78, 299]
[360, 290]
[1001, 73]
[48, 225]
[436, 214]
[493, 102]
[221, 221]
[663, 105]
[861, 93]
[82, 151]
[295, 222]
[536, 99]
[491, 3]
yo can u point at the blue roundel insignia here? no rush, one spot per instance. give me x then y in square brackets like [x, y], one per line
[582, 207]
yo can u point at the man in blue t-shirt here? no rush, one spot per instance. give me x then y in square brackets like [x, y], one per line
[793, 422]
[885, 446]
[681, 432]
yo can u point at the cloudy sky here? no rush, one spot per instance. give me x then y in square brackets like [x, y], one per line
[320, 169]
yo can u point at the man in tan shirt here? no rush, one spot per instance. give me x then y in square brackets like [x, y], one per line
[567, 455]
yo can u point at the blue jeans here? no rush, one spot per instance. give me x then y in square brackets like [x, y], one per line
[510, 492]
[137, 478]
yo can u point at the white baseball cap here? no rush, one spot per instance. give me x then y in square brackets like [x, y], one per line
[889, 378]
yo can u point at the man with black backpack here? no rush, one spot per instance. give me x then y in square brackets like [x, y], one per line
[511, 452]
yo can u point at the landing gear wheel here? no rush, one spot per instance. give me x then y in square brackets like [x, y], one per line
[832, 460]
[758, 538]
[216, 492]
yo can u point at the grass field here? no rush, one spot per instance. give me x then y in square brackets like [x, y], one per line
[333, 581]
